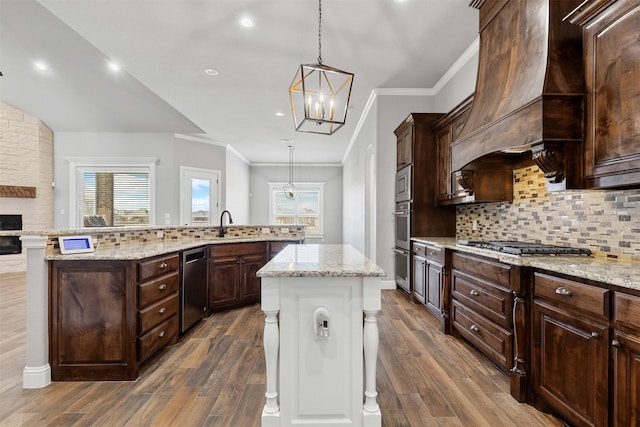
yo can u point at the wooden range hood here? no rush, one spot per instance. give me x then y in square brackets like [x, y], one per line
[529, 88]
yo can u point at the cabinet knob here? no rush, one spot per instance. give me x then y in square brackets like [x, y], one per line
[164, 265]
[616, 343]
[162, 287]
[162, 334]
[432, 253]
[595, 335]
[564, 291]
[474, 293]
[474, 328]
[163, 310]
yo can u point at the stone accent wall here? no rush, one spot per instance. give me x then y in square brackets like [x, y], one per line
[605, 221]
[26, 159]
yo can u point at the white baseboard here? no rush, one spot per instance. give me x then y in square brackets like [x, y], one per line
[36, 376]
[388, 284]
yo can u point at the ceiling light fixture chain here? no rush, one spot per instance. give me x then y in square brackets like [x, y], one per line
[319, 31]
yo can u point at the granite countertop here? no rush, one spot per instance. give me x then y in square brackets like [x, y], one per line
[134, 251]
[320, 261]
[625, 274]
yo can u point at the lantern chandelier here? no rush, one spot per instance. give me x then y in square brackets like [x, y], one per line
[320, 94]
[289, 188]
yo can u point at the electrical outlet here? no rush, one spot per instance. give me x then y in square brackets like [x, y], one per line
[284, 230]
[266, 230]
[474, 225]
[159, 234]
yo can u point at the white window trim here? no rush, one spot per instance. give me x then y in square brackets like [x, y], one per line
[77, 164]
[301, 186]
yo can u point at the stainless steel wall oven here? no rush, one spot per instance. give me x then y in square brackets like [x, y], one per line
[402, 253]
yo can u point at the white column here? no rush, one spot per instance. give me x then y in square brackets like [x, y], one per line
[271, 307]
[370, 339]
[37, 372]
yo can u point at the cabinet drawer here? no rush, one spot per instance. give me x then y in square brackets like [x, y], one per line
[435, 253]
[626, 309]
[156, 290]
[157, 313]
[481, 267]
[155, 267]
[237, 249]
[493, 341]
[419, 249]
[484, 297]
[571, 294]
[164, 334]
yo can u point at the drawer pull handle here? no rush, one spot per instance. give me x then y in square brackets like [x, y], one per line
[162, 334]
[162, 287]
[474, 293]
[164, 265]
[616, 343]
[432, 253]
[163, 310]
[595, 335]
[564, 291]
[474, 328]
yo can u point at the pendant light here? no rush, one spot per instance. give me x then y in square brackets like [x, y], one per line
[320, 94]
[289, 188]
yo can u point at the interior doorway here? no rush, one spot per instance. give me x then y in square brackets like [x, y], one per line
[199, 196]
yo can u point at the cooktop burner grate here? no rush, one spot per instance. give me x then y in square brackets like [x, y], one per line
[524, 248]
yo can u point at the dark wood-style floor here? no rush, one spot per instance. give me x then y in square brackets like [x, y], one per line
[215, 376]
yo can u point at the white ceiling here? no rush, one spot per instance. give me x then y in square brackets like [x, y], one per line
[165, 45]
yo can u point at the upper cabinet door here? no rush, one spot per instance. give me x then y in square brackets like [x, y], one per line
[612, 119]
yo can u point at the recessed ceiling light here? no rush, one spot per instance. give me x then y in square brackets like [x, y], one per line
[211, 72]
[280, 114]
[42, 66]
[247, 22]
[114, 66]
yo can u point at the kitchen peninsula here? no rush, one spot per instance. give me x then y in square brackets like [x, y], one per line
[314, 297]
[101, 315]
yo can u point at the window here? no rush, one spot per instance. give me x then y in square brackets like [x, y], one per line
[111, 195]
[306, 208]
[199, 189]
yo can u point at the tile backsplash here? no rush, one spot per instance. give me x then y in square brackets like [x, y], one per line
[605, 221]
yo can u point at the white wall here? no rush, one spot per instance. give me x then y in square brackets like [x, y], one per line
[237, 188]
[330, 175]
[376, 132]
[170, 151]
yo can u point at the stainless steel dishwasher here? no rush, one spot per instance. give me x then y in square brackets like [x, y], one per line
[193, 287]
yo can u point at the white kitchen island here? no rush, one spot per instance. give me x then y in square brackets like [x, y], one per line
[321, 337]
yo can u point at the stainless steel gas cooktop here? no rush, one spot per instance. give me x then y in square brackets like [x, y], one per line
[523, 248]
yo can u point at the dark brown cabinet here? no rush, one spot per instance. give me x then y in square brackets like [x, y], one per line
[404, 147]
[571, 349]
[92, 321]
[428, 277]
[625, 353]
[158, 301]
[489, 179]
[232, 274]
[612, 77]
[447, 130]
[482, 303]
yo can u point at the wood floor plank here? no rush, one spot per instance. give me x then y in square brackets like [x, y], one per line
[215, 376]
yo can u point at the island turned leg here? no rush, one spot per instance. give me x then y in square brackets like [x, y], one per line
[370, 343]
[271, 347]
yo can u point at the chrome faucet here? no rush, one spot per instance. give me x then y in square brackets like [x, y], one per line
[222, 231]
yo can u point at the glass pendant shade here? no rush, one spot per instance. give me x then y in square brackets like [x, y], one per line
[289, 191]
[320, 98]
